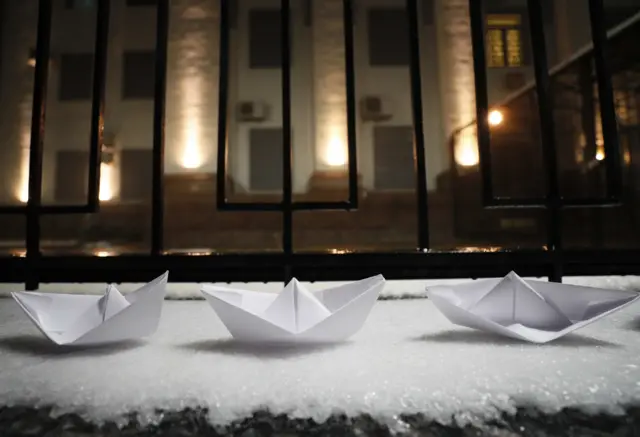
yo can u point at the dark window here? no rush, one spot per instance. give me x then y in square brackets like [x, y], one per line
[76, 76]
[505, 47]
[138, 75]
[135, 174]
[80, 4]
[388, 37]
[72, 175]
[428, 8]
[616, 15]
[265, 49]
[393, 158]
[142, 2]
[265, 159]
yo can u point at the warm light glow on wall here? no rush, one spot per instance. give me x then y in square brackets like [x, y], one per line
[22, 189]
[466, 151]
[191, 156]
[332, 138]
[336, 155]
[106, 182]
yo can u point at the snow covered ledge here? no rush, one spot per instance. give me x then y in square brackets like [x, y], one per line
[393, 289]
[407, 360]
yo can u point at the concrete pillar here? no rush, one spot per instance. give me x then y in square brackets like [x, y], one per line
[192, 87]
[329, 87]
[457, 76]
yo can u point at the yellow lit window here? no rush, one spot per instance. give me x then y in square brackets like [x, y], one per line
[495, 50]
[504, 41]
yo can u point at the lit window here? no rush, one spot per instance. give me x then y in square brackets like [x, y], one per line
[504, 41]
[496, 48]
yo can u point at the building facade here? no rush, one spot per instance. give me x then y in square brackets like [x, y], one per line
[384, 124]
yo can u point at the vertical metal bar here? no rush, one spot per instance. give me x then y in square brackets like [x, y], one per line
[38, 113]
[157, 210]
[545, 110]
[223, 97]
[287, 189]
[418, 128]
[350, 85]
[476, 17]
[605, 96]
[97, 102]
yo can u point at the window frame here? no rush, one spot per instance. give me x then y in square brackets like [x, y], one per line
[124, 94]
[62, 97]
[373, 59]
[254, 63]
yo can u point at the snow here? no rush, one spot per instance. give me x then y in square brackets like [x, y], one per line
[403, 288]
[408, 358]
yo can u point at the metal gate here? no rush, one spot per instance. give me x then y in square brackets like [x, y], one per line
[553, 260]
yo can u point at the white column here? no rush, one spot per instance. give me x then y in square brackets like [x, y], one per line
[329, 85]
[457, 76]
[192, 87]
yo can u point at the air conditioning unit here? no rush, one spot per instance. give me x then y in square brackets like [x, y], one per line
[108, 150]
[252, 111]
[374, 108]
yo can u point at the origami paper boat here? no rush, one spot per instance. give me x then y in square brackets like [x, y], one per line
[69, 319]
[533, 311]
[295, 314]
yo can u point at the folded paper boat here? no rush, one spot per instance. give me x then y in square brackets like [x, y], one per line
[295, 314]
[70, 319]
[534, 311]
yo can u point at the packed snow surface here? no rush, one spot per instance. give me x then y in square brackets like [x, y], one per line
[407, 358]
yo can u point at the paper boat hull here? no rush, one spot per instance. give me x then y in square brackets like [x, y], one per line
[343, 323]
[454, 303]
[140, 318]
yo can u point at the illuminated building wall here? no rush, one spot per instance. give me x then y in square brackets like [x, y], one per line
[329, 86]
[192, 91]
[456, 73]
[318, 90]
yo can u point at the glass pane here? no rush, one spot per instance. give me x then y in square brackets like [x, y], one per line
[123, 223]
[193, 224]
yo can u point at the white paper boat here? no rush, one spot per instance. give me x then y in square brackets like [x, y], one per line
[534, 311]
[71, 319]
[295, 314]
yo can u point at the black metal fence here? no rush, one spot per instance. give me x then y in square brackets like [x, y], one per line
[553, 260]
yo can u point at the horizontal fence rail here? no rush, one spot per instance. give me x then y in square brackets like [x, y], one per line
[422, 262]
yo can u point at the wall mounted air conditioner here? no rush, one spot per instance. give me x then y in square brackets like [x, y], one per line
[108, 148]
[374, 108]
[252, 111]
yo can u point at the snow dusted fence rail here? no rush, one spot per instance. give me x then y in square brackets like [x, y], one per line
[423, 262]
